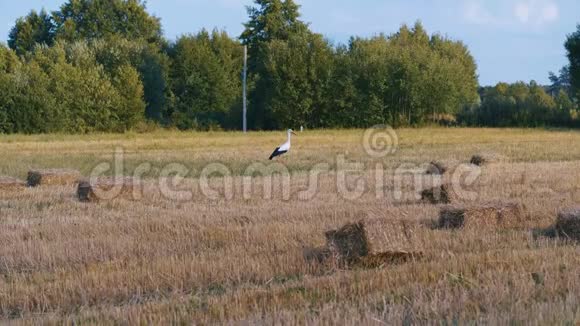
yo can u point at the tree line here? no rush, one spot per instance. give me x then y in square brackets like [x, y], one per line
[104, 65]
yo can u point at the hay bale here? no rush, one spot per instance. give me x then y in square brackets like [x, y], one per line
[443, 194]
[388, 234]
[350, 246]
[436, 168]
[11, 184]
[53, 177]
[382, 259]
[85, 192]
[349, 242]
[107, 189]
[486, 158]
[451, 218]
[493, 214]
[478, 160]
[568, 223]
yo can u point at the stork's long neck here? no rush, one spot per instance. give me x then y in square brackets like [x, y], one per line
[289, 137]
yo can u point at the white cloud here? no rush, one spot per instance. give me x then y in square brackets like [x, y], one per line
[522, 12]
[550, 13]
[511, 13]
[536, 12]
[476, 13]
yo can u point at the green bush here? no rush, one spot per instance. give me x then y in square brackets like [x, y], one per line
[64, 89]
[519, 105]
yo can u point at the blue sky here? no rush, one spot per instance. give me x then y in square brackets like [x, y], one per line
[511, 40]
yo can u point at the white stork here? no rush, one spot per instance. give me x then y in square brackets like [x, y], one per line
[284, 148]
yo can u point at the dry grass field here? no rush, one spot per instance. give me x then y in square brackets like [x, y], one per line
[196, 259]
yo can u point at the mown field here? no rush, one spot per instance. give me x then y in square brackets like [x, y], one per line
[192, 258]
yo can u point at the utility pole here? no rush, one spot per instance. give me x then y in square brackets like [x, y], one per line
[244, 84]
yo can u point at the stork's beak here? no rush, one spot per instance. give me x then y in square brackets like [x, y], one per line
[293, 133]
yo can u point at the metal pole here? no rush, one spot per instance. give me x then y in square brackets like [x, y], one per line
[244, 83]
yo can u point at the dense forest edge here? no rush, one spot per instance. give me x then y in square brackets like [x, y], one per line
[105, 66]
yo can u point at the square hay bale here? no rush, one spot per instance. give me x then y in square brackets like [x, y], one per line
[436, 168]
[388, 234]
[451, 218]
[107, 189]
[85, 192]
[53, 177]
[11, 184]
[386, 258]
[350, 246]
[349, 242]
[494, 214]
[568, 223]
[443, 194]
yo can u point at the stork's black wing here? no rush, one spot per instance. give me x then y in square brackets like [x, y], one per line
[277, 152]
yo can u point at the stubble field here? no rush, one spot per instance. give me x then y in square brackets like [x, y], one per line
[207, 251]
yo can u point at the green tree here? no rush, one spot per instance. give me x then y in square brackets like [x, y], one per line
[152, 64]
[130, 35]
[560, 82]
[122, 30]
[87, 98]
[9, 63]
[563, 102]
[64, 89]
[540, 106]
[8, 60]
[269, 20]
[518, 105]
[341, 109]
[35, 28]
[131, 108]
[456, 76]
[97, 19]
[34, 109]
[298, 71]
[206, 79]
[573, 52]
[406, 78]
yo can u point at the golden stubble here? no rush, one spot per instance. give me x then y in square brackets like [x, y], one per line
[160, 260]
